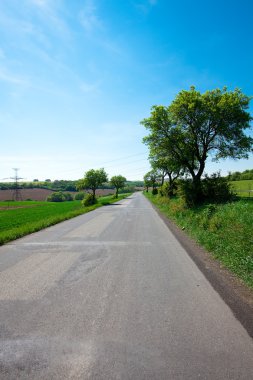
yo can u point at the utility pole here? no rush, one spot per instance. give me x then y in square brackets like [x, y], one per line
[16, 195]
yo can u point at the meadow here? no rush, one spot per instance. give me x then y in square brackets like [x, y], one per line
[225, 230]
[18, 219]
[243, 188]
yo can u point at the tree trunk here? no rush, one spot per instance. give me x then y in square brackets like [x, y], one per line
[94, 194]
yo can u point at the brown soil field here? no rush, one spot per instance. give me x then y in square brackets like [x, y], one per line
[34, 194]
[42, 194]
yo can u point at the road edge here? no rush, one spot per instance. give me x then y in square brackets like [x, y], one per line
[234, 293]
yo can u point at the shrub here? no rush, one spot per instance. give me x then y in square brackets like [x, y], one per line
[89, 200]
[213, 189]
[56, 197]
[80, 196]
[68, 197]
[164, 190]
[216, 189]
[188, 193]
[155, 191]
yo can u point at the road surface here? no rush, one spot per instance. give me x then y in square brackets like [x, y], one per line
[112, 295]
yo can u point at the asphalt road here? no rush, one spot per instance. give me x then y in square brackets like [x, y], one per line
[112, 295]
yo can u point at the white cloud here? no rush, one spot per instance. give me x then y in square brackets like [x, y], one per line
[40, 3]
[89, 87]
[7, 76]
[89, 18]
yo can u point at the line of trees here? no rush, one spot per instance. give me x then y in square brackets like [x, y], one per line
[194, 127]
[93, 179]
[240, 176]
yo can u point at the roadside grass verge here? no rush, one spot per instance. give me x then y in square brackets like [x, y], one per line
[225, 230]
[23, 218]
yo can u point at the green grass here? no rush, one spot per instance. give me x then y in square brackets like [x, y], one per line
[225, 230]
[243, 188]
[18, 219]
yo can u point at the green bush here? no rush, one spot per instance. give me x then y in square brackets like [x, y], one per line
[89, 200]
[155, 191]
[213, 189]
[58, 196]
[68, 197]
[80, 196]
[216, 189]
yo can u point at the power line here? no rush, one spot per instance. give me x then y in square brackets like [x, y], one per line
[107, 162]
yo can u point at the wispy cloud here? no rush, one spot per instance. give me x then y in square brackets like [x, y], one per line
[7, 76]
[90, 88]
[89, 18]
[145, 6]
[51, 12]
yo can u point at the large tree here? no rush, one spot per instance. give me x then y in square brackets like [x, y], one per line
[195, 126]
[118, 181]
[92, 180]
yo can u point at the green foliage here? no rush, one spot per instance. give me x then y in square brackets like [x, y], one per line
[80, 196]
[225, 230]
[155, 191]
[68, 197]
[151, 179]
[238, 176]
[197, 125]
[56, 197]
[57, 185]
[216, 189]
[89, 200]
[212, 188]
[168, 189]
[92, 180]
[118, 181]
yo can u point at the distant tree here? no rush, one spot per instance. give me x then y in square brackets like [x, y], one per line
[167, 166]
[118, 181]
[47, 180]
[92, 180]
[36, 180]
[151, 179]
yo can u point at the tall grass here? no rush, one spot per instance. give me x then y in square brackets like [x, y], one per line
[225, 230]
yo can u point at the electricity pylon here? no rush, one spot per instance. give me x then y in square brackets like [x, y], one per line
[16, 195]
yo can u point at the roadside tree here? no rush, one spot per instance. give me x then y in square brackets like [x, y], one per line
[118, 181]
[92, 180]
[196, 126]
[151, 179]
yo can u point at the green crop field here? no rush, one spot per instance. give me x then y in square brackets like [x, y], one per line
[243, 188]
[21, 218]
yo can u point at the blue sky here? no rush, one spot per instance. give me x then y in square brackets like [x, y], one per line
[77, 77]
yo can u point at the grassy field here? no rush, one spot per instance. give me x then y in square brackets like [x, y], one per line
[226, 230]
[243, 188]
[21, 218]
